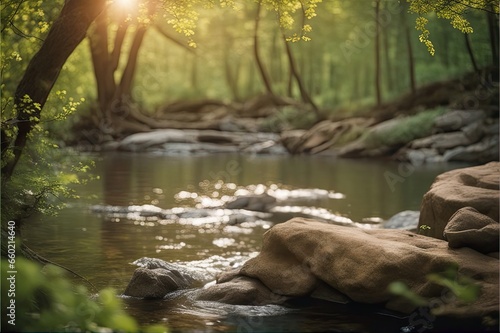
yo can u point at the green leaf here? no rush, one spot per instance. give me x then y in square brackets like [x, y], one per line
[401, 289]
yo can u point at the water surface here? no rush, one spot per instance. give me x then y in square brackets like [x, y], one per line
[101, 249]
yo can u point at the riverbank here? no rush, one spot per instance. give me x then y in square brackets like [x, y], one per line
[432, 136]
[455, 120]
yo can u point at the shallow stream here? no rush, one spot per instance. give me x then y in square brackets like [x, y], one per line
[102, 248]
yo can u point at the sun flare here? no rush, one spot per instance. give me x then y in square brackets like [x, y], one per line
[125, 3]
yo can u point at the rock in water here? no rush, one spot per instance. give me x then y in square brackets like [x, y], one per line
[406, 220]
[258, 203]
[476, 187]
[299, 255]
[307, 258]
[156, 283]
[241, 290]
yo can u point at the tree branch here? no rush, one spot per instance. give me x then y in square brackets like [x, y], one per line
[170, 37]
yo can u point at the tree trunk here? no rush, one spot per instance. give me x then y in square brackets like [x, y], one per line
[409, 49]
[411, 61]
[230, 74]
[388, 67]
[331, 73]
[194, 74]
[470, 52]
[263, 72]
[378, 93]
[125, 87]
[445, 48]
[293, 69]
[66, 33]
[103, 69]
[356, 89]
[276, 65]
[493, 31]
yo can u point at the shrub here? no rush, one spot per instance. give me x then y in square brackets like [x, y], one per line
[46, 301]
[407, 130]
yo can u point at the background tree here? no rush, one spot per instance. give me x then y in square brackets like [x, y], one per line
[66, 33]
[378, 78]
[256, 50]
[114, 90]
[320, 62]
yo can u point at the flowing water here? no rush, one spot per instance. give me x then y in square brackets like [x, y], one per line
[102, 247]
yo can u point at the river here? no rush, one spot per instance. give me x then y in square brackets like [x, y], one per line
[102, 249]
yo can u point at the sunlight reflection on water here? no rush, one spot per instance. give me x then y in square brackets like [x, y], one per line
[172, 208]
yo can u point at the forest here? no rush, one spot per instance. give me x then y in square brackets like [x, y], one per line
[169, 106]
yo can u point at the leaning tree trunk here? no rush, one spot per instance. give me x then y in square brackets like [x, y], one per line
[262, 70]
[64, 36]
[125, 86]
[306, 98]
[471, 53]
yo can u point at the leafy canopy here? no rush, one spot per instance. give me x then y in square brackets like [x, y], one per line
[454, 11]
[183, 15]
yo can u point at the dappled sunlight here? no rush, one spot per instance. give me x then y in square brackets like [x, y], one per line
[216, 203]
[218, 193]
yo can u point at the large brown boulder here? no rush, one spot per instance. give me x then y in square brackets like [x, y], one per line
[476, 187]
[300, 255]
[468, 227]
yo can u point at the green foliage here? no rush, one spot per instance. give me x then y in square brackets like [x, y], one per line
[408, 129]
[401, 289]
[46, 301]
[183, 15]
[464, 288]
[453, 11]
[423, 228]
[166, 72]
[336, 80]
[289, 117]
[42, 180]
[43, 176]
[24, 25]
